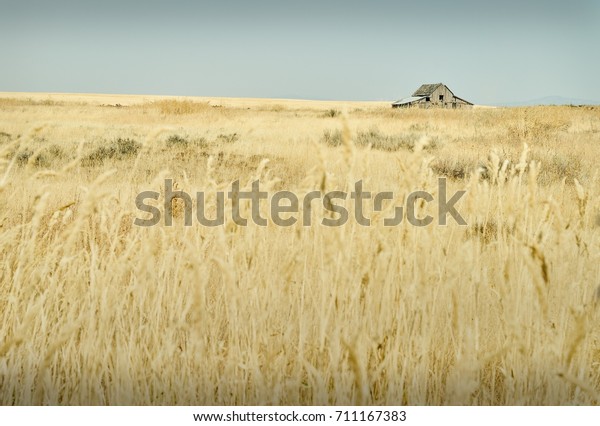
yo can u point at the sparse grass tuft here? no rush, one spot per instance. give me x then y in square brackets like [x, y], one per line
[228, 138]
[556, 167]
[331, 113]
[42, 158]
[184, 143]
[177, 141]
[180, 107]
[23, 157]
[120, 149]
[379, 141]
[456, 169]
[332, 137]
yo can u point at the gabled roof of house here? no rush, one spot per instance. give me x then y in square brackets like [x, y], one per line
[408, 100]
[426, 89]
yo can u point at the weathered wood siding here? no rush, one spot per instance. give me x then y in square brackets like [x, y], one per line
[448, 100]
[447, 97]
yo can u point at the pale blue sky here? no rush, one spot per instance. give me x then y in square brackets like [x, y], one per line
[487, 52]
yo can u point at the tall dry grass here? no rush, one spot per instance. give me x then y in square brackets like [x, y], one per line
[94, 310]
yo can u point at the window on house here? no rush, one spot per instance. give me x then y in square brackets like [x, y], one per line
[427, 99]
[441, 98]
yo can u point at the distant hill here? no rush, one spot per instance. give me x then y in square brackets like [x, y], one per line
[552, 100]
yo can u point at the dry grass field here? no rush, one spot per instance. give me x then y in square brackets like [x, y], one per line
[96, 310]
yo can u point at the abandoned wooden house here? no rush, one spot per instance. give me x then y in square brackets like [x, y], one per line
[432, 95]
